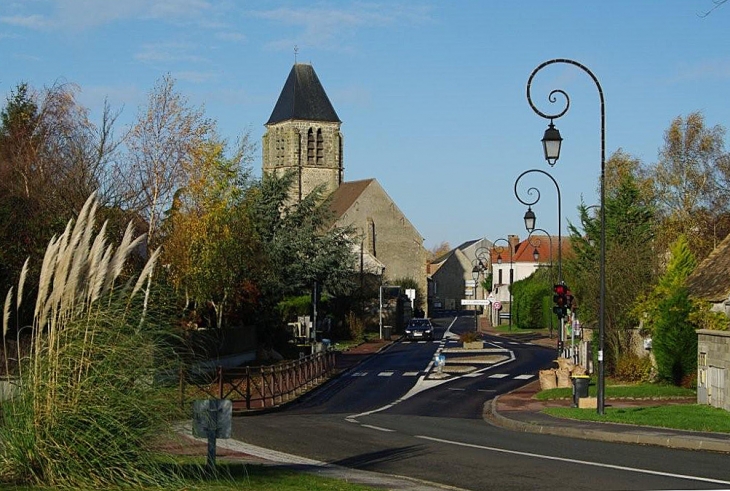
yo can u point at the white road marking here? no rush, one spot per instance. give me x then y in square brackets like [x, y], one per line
[524, 376]
[499, 375]
[359, 374]
[385, 374]
[576, 461]
[411, 374]
[377, 428]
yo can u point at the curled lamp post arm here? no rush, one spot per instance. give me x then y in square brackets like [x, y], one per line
[527, 202]
[602, 270]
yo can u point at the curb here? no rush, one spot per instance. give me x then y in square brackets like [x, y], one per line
[640, 436]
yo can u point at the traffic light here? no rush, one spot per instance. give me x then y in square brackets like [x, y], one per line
[560, 298]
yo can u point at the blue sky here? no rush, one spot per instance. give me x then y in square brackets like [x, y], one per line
[431, 94]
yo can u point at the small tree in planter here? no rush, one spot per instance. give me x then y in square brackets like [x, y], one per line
[471, 340]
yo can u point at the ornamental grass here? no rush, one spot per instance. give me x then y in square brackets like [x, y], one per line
[88, 405]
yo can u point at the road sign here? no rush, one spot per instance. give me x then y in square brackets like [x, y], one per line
[470, 301]
[497, 305]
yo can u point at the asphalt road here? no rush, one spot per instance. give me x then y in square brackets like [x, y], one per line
[388, 416]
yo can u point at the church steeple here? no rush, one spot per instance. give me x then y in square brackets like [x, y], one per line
[303, 98]
[303, 134]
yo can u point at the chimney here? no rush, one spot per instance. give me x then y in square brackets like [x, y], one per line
[514, 241]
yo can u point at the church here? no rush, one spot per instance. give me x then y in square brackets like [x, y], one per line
[304, 135]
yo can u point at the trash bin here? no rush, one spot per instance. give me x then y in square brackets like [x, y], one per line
[387, 332]
[580, 387]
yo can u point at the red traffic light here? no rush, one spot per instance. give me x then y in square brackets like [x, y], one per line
[560, 289]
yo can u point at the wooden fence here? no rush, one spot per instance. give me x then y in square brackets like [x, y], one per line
[252, 388]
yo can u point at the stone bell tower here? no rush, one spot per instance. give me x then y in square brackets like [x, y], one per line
[303, 135]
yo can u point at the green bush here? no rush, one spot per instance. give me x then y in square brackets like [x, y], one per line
[674, 340]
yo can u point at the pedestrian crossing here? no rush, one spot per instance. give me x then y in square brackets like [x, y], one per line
[396, 373]
[455, 342]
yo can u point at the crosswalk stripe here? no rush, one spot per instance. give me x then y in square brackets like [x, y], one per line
[359, 374]
[385, 374]
[410, 374]
[499, 375]
[524, 377]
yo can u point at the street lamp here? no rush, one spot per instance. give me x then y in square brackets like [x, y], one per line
[530, 218]
[499, 250]
[554, 140]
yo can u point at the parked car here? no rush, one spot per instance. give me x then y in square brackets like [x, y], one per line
[419, 328]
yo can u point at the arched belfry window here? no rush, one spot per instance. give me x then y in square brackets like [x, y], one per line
[310, 146]
[320, 146]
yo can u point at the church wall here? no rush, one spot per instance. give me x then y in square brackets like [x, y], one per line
[397, 243]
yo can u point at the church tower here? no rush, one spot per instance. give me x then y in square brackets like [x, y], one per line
[303, 135]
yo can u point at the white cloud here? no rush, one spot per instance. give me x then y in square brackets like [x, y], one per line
[167, 52]
[328, 28]
[28, 21]
[85, 14]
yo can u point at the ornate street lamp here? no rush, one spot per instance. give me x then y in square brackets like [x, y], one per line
[552, 158]
[530, 218]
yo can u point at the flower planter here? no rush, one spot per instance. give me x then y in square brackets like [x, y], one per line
[474, 345]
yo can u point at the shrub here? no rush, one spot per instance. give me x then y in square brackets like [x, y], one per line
[674, 340]
[356, 327]
[88, 407]
[633, 368]
[469, 336]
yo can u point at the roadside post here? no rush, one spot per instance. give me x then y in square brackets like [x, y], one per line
[212, 419]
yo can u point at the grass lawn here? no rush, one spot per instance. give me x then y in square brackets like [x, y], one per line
[692, 417]
[621, 391]
[678, 416]
[251, 477]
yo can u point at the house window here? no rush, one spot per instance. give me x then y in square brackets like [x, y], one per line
[320, 147]
[310, 146]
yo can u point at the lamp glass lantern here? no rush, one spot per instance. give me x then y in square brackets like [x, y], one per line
[536, 254]
[529, 219]
[551, 143]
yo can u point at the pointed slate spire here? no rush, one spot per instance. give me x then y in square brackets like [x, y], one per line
[304, 98]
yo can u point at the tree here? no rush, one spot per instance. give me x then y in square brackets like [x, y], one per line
[52, 157]
[681, 263]
[163, 150]
[675, 341]
[691, 180]
[631, 261]
[438, 250]
[301, 243]
[210, 249]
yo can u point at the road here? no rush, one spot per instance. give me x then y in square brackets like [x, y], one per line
[391, 415]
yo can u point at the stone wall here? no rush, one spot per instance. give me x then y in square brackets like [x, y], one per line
[713, 361]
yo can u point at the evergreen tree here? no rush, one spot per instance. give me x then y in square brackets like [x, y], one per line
[630, 255]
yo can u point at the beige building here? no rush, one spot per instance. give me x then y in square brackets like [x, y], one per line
[303, 135]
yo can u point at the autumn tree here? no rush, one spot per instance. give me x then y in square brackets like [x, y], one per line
[438, 250]
[52, 157]
[210, 251]
[692, 184]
